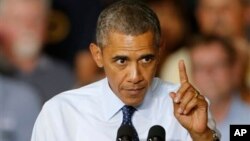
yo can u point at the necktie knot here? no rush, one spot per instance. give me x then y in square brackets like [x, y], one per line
[128, 112]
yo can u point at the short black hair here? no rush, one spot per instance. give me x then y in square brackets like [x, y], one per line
[130, 17]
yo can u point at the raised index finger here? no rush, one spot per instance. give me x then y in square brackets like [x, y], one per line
[182, 72]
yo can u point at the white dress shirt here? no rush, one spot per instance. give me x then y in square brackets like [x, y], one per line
[93, 113]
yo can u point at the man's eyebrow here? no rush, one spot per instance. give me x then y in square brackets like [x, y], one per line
[152, 56]
[120, 57]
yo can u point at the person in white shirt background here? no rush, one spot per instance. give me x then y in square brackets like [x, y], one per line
[213, 59]
[227, 18]
[127, 47]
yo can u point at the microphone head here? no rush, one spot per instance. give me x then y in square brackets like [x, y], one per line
[156, 133]
[125, 133]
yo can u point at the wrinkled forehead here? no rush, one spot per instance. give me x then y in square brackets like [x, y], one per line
[118, 39]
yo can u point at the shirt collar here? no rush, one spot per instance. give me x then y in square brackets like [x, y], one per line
[112, 104]
[146, 107]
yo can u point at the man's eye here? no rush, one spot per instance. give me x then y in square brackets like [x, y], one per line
[146, 60]
[121, 61]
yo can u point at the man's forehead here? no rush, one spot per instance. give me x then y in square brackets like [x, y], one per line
[128, 49]
[127, 40]
[130, 46]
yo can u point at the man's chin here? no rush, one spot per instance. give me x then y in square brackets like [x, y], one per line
[133, 101]
[133, 97]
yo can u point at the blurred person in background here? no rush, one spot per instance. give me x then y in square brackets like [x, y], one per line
[19, 107]
[173, 24]
[213, 59]
[248, 19]
[227, 18]
[23, 26]
[222, 17]
[86, 69]
[248, 37]
[174, 29]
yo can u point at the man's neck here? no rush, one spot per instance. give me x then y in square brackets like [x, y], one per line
[220, 109]
[27, 66]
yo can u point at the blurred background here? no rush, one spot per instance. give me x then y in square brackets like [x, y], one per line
[44, 50]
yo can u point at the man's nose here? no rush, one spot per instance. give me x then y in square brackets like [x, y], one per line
[135, 75]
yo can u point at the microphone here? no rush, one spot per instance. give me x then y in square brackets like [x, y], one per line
[156, 133]
[125, 133]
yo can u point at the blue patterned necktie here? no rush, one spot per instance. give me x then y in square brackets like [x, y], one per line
[128, 112]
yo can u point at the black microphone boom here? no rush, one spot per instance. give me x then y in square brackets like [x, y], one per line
[125, 133]
[156, 133]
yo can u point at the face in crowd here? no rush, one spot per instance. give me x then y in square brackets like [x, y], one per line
[221, 17]
[212, 70]
[23, 25]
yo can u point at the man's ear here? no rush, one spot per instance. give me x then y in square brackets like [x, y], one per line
[96, 54]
